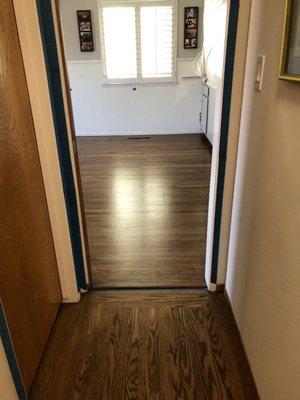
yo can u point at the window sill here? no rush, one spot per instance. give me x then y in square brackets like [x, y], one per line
[129, 83]
[138, 84]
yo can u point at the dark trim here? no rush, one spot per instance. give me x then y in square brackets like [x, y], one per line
[206, 141]
[11, 356]
[220, 287]
[230, 309]
[228, 78]
[59, 118]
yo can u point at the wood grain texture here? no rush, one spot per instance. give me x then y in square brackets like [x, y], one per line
[146, 207]
[29, 284]
[139, 345]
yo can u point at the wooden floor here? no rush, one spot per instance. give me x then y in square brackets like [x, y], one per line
[144, 345]
[146, 209]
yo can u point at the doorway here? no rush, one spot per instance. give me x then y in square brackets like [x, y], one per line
[145, 196]
[217, 176]
[128, 247]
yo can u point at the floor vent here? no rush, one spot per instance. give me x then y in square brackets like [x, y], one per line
[139, 138]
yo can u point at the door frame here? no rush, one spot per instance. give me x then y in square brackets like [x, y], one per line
[54, 45]
[62, 126]
[215, 204]
[71, 128]
[215, 284]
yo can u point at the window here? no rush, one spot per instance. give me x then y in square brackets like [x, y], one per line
[138, 41]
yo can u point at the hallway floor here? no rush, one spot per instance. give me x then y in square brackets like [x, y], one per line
[146, 206]
[138, 345]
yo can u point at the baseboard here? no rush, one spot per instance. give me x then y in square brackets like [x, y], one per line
[206, 141]
[225, 294]
[220, 287]
[87, 134]
[216, 287]
[74, 299]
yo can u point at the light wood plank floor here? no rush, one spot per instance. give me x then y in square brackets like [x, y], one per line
[145, 345]
[146, 209]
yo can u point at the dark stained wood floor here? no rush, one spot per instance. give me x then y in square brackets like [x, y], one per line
[144, 345]
[146, 209]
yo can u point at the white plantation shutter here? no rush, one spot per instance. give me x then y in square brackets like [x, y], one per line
[138, 41]
[120, 42]
[157, 41]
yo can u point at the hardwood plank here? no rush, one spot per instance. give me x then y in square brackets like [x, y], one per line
[147, 344]
[146, 205]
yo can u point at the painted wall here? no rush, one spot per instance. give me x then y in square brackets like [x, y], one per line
[181, 52]
[118, 109]
[68, 10]
[263, 276]
[7, 387]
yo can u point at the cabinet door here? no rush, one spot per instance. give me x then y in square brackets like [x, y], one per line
[29, 283]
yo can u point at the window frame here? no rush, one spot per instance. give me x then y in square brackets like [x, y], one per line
[137, 4]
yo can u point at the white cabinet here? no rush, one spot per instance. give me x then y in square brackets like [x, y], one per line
[204, 108]
[211, 115]
[207, 112]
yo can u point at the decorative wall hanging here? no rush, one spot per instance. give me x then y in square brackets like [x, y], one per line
[86, 41]
[191, 15]
[290, 54]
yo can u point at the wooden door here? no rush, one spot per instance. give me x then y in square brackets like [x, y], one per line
[29, 283]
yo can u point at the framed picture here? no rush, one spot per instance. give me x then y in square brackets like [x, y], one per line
[86, 41]
[191, 15]
[290, 54]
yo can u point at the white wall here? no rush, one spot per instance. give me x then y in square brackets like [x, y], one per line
[263, 276]
[120, 110]
[68, 10]
[181, 51]
[68, 13]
